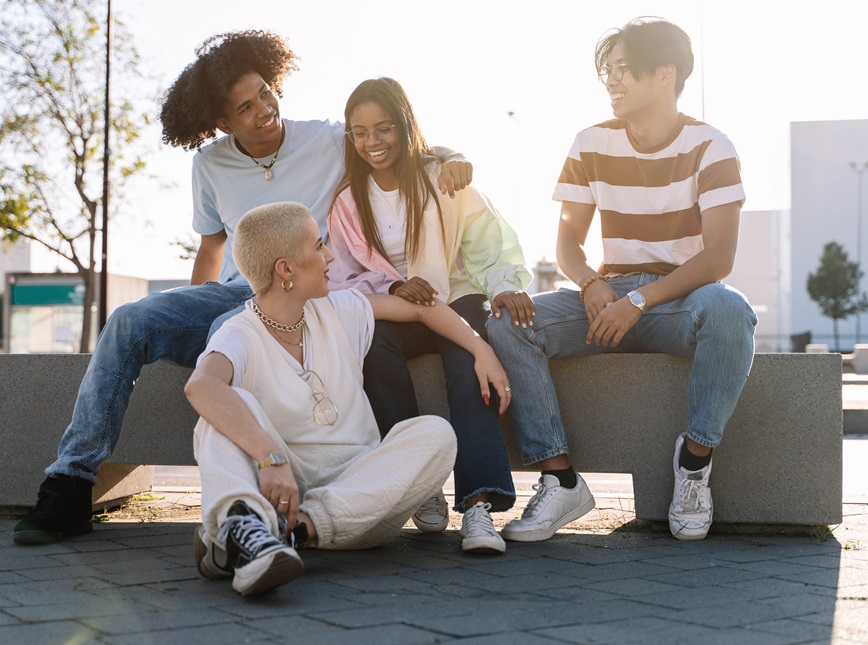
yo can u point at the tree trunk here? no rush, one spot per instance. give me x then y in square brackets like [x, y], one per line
[835, 331]
[90, 289]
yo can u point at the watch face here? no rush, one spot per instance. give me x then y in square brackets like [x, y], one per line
[637, 299]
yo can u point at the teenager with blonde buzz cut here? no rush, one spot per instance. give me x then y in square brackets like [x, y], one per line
[287, 445]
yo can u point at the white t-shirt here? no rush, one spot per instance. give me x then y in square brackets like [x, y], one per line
[354, 312]
[390, 216]
[227, 183]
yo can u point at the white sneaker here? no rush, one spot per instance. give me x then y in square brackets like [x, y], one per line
[260, 560]
[211, 560]
[433, 515]
[477, 531]
[552, 507]
[691, 508]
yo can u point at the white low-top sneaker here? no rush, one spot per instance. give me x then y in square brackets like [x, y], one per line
[477, 531]
[433, 515]
[552, 507]
[691, 508]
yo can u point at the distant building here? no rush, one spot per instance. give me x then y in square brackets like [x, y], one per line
[825, 208]
[43, 312]
[762, 273]
[547, 277]
[14, 259]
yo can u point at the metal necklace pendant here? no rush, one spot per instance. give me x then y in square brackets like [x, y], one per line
[268, 174]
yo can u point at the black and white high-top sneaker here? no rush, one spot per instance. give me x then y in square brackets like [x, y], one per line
[261, 561]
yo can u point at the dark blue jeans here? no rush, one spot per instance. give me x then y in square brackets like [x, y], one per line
[481, 465]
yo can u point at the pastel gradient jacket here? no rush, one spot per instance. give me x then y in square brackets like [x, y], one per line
[490, 253]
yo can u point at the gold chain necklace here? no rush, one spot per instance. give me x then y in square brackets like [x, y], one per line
[299, 344]
[277, 325]
[268, 174]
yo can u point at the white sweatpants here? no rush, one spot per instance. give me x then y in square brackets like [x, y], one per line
[358, 497]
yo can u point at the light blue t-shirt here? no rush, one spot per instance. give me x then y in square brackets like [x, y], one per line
[227, 183]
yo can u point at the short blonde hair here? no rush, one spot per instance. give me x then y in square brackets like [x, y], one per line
[263, 236]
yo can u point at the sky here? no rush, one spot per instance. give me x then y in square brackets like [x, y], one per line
[508, 84]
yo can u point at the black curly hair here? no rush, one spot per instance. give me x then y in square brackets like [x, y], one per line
[191, 107]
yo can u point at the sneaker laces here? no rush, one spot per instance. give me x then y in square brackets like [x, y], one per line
[431, 506]
[478, 519]
[542, 493]
[249, 531]
[690, 495]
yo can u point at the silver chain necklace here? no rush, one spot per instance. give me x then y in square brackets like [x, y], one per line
[273, 323]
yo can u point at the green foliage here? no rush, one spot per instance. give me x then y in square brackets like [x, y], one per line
[52, 70]
[835, 285]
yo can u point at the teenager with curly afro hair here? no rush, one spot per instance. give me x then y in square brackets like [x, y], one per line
[232, 86]
[195, 102]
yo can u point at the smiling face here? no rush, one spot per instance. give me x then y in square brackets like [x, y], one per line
[634, 98]
[311, 269]
[380, 147]
[251, 113]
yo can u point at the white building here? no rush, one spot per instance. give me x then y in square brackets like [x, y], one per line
[825, 208]
[14, 259]
[762, 273]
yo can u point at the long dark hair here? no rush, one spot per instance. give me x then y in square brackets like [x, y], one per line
[413, 181]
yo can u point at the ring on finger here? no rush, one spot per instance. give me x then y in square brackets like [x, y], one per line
[508, 388]
[283, 501]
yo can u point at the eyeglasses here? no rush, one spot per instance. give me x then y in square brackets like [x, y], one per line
[381, 133]
[325, 412]
[616, 73]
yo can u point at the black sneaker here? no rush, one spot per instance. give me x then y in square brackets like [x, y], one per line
[62, 509]
[260, 560]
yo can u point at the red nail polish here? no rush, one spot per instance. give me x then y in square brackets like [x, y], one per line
[485, 398]
[502, 414]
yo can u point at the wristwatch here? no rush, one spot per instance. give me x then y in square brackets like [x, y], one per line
[638, 300]
[272, 459]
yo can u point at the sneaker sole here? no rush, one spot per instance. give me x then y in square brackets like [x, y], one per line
[544, 534]
[35, 537]
[680, 534]
[431, 528]
[483, 545]
[268, 572]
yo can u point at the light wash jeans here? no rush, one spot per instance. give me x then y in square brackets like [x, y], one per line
[714, 325]
[173, 325]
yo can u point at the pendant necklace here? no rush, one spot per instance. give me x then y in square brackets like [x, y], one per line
[268, 173]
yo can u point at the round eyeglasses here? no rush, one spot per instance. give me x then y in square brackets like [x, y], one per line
[615, 72]
[325, 412]
[381, 133]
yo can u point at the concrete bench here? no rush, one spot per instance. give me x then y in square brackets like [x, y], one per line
[780, 462]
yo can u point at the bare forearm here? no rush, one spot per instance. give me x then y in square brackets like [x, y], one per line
[706, 267]
[221, 406]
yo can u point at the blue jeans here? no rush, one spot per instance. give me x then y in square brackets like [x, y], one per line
[714, 325]
[481, 465]
[172, 324]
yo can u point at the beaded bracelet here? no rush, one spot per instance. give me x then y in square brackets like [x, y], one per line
[588, 283]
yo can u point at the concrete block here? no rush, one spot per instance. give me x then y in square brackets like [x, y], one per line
[780, 461]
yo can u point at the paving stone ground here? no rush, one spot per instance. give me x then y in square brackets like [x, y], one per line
[604, 579]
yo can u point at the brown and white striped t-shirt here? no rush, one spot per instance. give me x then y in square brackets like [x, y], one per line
[650, 201]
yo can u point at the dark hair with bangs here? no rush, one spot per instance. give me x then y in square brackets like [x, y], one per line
[413, 181]
[650, 43]
[191, 107]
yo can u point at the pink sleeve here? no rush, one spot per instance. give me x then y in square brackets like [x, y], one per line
[353, 267]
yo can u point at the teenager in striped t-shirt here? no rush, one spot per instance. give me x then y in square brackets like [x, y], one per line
[669, 193]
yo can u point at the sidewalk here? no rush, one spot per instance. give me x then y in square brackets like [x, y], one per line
[601, 580]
